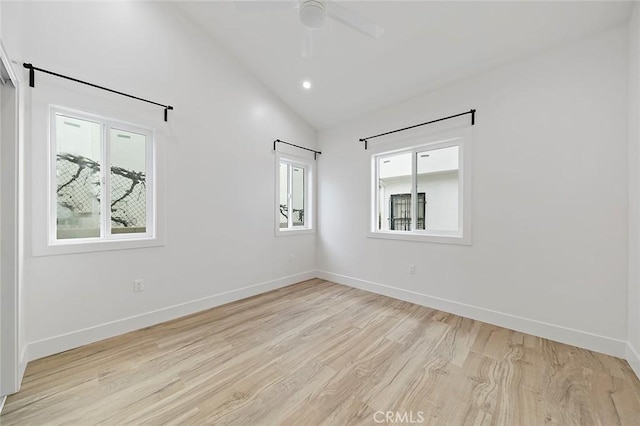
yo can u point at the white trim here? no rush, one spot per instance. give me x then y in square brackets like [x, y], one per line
[462, 138]
[309, 199]
[10, 227]
[633, 358]
[22, 366]
[87, 245]
[153, 237]
[74, 339]
[285, 232]
[410, 236]
[598, 343]
[2, 401]
[582, 339]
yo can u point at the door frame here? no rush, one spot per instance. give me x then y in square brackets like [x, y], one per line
[10, 225]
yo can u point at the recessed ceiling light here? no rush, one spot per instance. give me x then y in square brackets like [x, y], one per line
[306, 84]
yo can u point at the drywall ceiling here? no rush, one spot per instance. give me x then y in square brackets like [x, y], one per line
[425, 45]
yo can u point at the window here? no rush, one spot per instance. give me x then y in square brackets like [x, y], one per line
[294, 195]
[102, 181]
[423, 193]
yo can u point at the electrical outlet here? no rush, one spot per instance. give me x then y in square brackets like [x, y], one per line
[412, 269]
[138, 285]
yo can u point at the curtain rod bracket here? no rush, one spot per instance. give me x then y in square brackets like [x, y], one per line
[32, 75]
[166, 110]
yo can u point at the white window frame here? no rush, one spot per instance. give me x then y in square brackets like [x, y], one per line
[459, 138]
[106, 241]
[309, 200]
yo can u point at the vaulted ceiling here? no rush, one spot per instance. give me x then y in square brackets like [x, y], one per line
[426, 44]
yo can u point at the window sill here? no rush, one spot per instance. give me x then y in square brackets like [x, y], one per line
[76, 247]
[423, 238]
[289, 232]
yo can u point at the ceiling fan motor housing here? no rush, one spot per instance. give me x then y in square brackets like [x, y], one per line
[313, 13]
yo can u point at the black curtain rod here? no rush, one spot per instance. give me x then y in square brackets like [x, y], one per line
[315, 153]
[32, 83]
[473, 122]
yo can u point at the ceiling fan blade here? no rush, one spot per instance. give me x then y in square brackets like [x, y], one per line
[266, 5]
[307, 43]
[354, 20]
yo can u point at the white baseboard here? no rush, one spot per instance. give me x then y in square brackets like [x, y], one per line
[633, 358]
[2, 401]
[64, 342]
[582, 339]
[598, 343]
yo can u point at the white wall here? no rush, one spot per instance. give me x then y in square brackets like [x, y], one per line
[633, 355]
[549, 252]
[219, 238]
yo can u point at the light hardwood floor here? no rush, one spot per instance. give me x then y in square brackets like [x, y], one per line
[321, 353]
